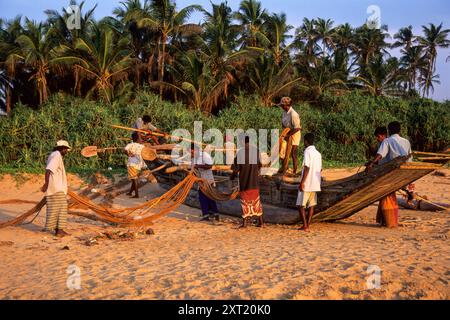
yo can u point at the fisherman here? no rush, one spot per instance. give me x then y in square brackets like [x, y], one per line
[290, 119]
[391, 148]
[381, 134]
[247, 164]
[203, 162]
[55, 187]
[310, 181]
[135, 163]
[144, 123]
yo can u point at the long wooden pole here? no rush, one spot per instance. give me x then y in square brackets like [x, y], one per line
[163, 135]
[446, 155]
[154, 133]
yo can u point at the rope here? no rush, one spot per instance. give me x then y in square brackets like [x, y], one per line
[135, 216]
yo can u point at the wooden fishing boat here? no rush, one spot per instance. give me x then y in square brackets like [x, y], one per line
[338, 200]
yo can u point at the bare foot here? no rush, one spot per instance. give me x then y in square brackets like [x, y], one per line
[304, 229]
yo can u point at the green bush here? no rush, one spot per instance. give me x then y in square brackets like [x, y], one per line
[343, 125]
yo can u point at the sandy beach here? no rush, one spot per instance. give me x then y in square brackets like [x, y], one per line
[189, 259]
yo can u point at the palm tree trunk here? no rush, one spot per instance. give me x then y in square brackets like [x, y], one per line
[8, 100]
[162, 59]
[149, 66]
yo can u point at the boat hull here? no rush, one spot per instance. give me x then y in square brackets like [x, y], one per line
[338, 199]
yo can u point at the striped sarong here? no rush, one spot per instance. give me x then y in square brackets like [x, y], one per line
[387, 214]
[133, 173]
[251, 203]
[56, 212]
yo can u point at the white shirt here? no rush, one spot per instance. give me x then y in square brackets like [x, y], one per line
[313, 160]
[230, 152]
[58, 179]
[393, 147]
[135, 158]
[291, 119]
[140, 125]
[204, 158]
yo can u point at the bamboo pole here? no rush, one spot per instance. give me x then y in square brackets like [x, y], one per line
[446, 155]
[153, 133]
[169, 146]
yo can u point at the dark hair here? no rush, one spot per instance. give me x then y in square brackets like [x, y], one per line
[394, 127]
[135, 136]
[380, 131]
[309, 137]
[146, 119]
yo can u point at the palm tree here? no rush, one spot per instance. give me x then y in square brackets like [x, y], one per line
[276, 28]
[381, 78]
[59, 30]
[321, 78]
[143, 41]
[269, 79]
[434, 37]
[404, 38]
[195, 80]
[306, 37]
[325, 31]
[343, 38]
[9, 32]
[220, 46]
[426, 83]
[252, 16]
[220, 34]
[164, 18]
[412, 61]
[369, 43]
[60, 34]
[100, 60]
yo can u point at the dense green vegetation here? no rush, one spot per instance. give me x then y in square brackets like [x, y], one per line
[344, 126]
[227, 71]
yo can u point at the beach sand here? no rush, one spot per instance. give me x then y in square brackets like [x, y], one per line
[189, 259]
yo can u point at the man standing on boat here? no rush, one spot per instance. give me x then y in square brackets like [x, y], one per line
[290, 119]
[247, 164]
[203, 162]
[144, 123]
[390, 148]
[310, 181]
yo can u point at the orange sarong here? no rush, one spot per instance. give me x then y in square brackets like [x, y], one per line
[387, 214]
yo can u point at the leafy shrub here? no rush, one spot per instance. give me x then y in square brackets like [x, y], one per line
[343, 125]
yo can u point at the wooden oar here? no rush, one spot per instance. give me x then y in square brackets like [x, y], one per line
[157, 134]
[433, 158]
[443, 155]
[187, 167]
[92, 151]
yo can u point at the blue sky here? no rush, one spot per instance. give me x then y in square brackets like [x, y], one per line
[394, 13]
